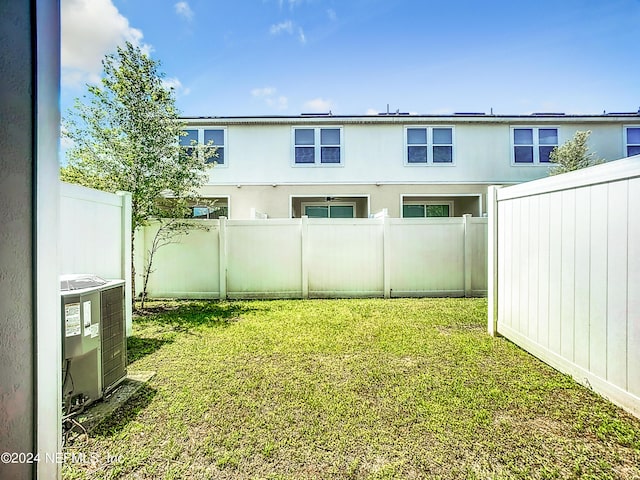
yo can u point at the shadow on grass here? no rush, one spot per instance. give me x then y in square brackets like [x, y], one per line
[140, 347]
[126, 413]
[183, 316]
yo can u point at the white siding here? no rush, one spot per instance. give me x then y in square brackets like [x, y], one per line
[260, 151]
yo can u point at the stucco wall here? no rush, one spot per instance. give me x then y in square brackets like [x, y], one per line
[16, 294]
[374, 152]
[275, 201]
[29, 299]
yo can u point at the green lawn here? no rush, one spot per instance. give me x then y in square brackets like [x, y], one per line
[350, 389]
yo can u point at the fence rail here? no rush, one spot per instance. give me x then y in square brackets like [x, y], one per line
[315, 258]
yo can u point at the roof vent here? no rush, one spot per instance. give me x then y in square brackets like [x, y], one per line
[397, 112]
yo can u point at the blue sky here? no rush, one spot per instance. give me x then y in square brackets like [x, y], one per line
[285, 57]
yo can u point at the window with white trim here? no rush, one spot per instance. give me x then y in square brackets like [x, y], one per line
[330, 210]
[317, 146]
[632, 140]
[216, 136]
[532, 145]
[428, 145]
[427, 209]
[209, 211]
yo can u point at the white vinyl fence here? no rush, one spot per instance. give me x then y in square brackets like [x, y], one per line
[565, 274]
[95, 235]
[313, 258]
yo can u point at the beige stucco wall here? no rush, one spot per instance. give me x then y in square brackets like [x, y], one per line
[276, 201]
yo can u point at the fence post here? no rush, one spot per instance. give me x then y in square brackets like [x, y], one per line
[468, 254]
[492, 260]
[127, 260]
[222, 242]
[386, 256]
[304, 270]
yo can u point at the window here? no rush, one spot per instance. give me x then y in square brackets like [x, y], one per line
[533, 145]
[217, 137]
[329, 211]
[427, 209]
[632, 140]
[211, 208]
[317, 146]
[209, 212]
[429, 145]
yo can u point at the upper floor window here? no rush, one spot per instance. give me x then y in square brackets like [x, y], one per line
[533, 145]
[207, 135]
[429, 145]
[632, 140]
[317, 146]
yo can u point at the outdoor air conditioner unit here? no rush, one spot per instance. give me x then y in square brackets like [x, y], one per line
[94, 354]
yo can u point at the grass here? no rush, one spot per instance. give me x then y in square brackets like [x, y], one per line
[350, 389]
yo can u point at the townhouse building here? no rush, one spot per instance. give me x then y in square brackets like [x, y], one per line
[355, 166]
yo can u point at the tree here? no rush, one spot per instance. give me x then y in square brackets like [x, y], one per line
[573, 155]
[170, 228]
[125, 137]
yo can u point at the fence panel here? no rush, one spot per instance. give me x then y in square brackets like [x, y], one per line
[282, 258]
[345, 257]
[90, 232]
[95, 236]
[568, 274]
[187, 268]
[264, 258]
[476, 239]
[427, 256]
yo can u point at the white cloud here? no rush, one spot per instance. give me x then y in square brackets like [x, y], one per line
[318, 105]
[288, 27]
[90, 29]
[268, 94]
[292, 3]
[184, 10]
[177, 86]
[277, 29]
[331, 13]
[280, 103]
[263, 92]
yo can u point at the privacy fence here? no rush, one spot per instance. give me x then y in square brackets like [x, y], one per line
[95, 235]
[564, 283]
[315, 258]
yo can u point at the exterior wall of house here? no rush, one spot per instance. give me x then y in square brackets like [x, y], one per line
[259, 170]
[30, 343]
[280, 201]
